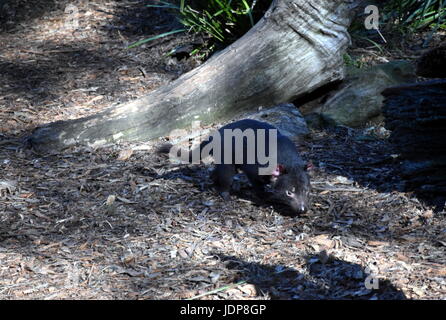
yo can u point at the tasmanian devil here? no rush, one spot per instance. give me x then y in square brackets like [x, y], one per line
[269, 159]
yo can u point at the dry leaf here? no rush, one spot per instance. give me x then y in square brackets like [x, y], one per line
[125, 154]
[402, 257]
[125, 200]
[322, 240]
[110, 200]
[249, 289]
[374, 243]
[440, 272]
[428, 214]
[418, 291]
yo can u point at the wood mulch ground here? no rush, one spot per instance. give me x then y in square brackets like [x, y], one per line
[120, 222]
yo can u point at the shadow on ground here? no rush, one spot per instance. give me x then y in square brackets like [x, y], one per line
[335, 279]
[368, 160]
[129, 17]
[56, 68]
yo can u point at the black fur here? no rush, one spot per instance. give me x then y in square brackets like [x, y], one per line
[288, 184]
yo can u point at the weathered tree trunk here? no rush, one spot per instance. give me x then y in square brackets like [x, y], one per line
[295, 48]
[416, 114]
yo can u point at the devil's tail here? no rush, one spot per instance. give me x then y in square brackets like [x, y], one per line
[179, 153]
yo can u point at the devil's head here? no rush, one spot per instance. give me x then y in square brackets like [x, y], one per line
[291, 186]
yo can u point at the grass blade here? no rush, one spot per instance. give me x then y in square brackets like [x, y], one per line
[138, 43]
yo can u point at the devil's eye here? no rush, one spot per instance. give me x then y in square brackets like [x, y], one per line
[289, 193]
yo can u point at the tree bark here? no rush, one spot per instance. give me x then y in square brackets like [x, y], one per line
[294, 49]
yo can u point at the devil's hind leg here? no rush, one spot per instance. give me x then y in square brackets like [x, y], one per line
[223, 176]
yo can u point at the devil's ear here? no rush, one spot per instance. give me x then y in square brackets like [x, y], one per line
[280, 169]
[309, 166]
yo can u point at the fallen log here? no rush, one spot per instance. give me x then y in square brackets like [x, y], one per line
[294, 49]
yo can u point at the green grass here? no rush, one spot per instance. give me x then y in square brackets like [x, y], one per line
[416, 14]
[220, 21]
[400, 19]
